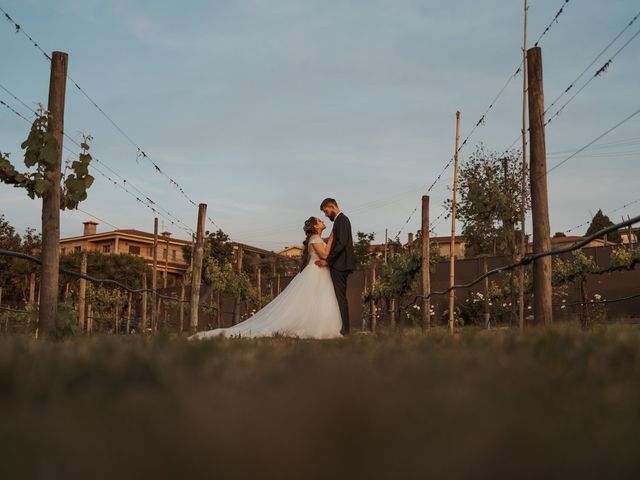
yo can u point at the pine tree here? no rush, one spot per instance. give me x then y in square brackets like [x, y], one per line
[600, 221]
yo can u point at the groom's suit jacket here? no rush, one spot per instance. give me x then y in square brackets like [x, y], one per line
[341, 257]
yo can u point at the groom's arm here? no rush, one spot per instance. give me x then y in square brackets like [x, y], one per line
[339, 239]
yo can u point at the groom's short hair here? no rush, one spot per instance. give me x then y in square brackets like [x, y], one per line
[328, 201]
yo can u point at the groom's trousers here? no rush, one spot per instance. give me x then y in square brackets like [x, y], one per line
[339, 280]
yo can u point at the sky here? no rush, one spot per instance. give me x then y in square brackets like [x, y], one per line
[261, 109]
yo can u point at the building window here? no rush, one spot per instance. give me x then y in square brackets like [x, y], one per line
[174, 254]
[150, 252]
[63, 250]
[106, 248]
[77, 249]
[133, 250]
[164, 253]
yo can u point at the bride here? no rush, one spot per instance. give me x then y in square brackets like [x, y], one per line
[307, 308]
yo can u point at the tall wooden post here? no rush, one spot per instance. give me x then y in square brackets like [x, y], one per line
[452, 256]
[523, 181]
[143, 326]
[181, 310]
[32, 288]
[259, 285]
[89, 319]
[82, 292]
[426, 263]
[386, 241]
[236, 307]
[129, 305]
[372, 304]
[154, 279]
[197, 270]
[539, 201]
[487, 312]
[50, 251]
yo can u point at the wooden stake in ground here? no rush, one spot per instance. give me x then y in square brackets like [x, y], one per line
[386, 241]
[154, 279]
[181, 310]
[236, 307]
[129, 302]
[82, 292]
[426, 261]
[143, 326]
[487, 313]
[50, 250]
[523, 182]
[372, 304]
[539, 201]
[452, 256]
[197, 270]
[32, 288]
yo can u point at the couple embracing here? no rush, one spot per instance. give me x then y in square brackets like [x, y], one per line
[314, 304]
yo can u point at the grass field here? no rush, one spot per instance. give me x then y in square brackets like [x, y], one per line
[560, 403]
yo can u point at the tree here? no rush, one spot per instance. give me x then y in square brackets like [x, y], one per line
[362, 248]
[489, 205]
[600, 221]
[14, 272]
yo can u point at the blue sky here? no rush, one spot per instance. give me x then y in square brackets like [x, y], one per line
[262, 108]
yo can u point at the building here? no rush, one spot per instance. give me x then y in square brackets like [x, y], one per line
[134, 242]
[567, 241]
[292, 252]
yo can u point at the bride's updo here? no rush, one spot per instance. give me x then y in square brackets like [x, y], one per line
[309, 230]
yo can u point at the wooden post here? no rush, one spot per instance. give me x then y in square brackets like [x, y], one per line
[32, 288]
[452, 253]
[181, 311]
[487, 313]
[392, 314]
[130, 301]
[236, 307]
[89, 318]
[143, 326]
[523, 181]
[386, 241]
[197, 270]
[154, 279]
[278, 285]
[50, 250]
[426, 263]
[259, 285]
[372, 304]
[165, 282]
[82, 292]
[218, 309]
[539, 201]
[116, 319]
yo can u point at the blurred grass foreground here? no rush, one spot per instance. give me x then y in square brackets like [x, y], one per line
[556, 403]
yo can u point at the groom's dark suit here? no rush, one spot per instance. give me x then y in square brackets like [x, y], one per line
[342, 263]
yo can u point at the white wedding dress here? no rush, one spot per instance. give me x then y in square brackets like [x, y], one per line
[307, 308]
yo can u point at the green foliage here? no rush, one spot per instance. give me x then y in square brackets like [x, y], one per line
[489, 204]
[362, 248]
[401, 275]
[124, 268]
[577, 268]
[41, 153]
[14, 270]
[600, 221]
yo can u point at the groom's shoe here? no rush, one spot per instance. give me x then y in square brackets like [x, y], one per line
[344, 333]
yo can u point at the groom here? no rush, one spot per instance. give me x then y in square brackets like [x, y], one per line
[341, 260]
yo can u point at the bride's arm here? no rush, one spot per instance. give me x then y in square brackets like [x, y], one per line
[322, 249]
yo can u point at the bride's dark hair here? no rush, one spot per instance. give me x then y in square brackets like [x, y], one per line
[309, 230]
